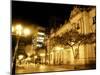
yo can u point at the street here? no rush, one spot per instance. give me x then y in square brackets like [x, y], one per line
[33, 68]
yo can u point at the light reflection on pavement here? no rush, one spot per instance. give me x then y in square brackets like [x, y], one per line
[33, 68]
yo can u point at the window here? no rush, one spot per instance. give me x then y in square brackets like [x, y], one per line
[94, 20]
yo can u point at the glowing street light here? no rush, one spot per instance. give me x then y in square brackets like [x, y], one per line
[13, 29]
[26, 32]
[18, 29]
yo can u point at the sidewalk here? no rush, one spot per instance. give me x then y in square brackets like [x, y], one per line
[33, 68]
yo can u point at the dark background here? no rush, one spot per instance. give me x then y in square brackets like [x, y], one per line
[44, 14]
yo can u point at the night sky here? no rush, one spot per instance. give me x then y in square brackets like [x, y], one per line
[44, 14]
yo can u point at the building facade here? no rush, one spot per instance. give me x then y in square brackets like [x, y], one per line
[84, 21]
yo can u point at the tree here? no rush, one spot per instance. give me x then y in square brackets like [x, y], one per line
[79, 39]
[71, 38]
[90, 38]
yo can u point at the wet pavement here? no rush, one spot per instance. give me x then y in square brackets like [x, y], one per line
[34, 68]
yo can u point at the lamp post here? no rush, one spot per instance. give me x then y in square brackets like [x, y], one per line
[18, 32]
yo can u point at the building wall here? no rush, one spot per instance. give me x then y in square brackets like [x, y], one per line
[89, 51]
[92, 14]
[84, 19]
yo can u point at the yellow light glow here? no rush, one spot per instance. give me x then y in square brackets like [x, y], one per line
[42, 66]
[39, 45]
[59, 48]
[21, 57]
[51, 53]
[28, 58]
[42, 54]
[41, 33]
[26, 32]
[13, 29]
[19, 29]
[72, 43]
[18, 32]
[35, 57]
[40, 38]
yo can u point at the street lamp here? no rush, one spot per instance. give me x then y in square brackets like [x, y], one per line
[26, 32]
[18, 30]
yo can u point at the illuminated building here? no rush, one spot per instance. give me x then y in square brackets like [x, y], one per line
[84, 21]
[38, 43]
